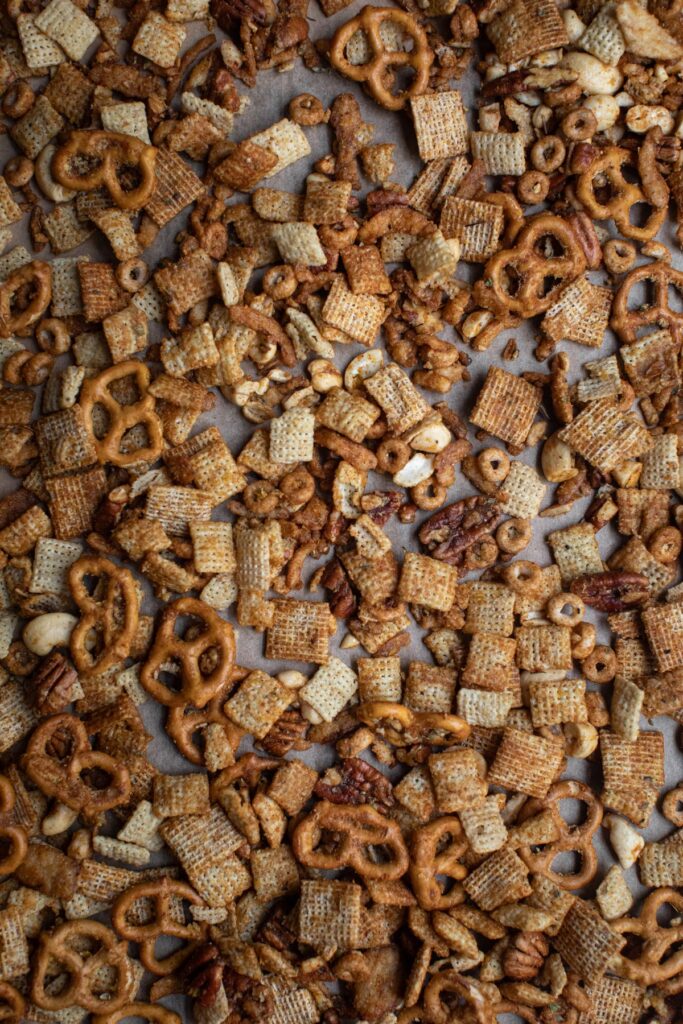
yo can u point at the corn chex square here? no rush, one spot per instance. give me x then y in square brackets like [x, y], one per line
[586, 942]
[506, 406]
[500, 152]
[275, 873]
[663, 626]
[440, 124]
[456, 776]
[291, 436]
[298, 242]
[526, 27]
[330, 689]
[576, 551]
[300, 631]
[605, 436]
[543, 648]
[292, 785]
[286, 140]
[39, 50]
[429, 688]
[554, 703]
[213, 550]
[175, 795]
[69, 92]
[365, 271]
[258, 703]
[476, 225]
[521, 493]
[526, 763]
[69, 27]
[379, 679]
[400, 401]
[581, 314]
[501, 878]
[159, 40]
[614, 1001]
[661, 467]
[491, 664]
[128, 119]
[326, 202]
[359, 316]
[490, 609]
[348, 414]
[51, 562]
[176, 507]
[73, 500]
[37, 127]
[427, 582]
[329, 914]
[651, 363]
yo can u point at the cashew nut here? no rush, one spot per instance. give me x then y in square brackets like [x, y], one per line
[595, 78]
[58, 820]
[292, 679]
[46, 632]
[365, 365]
[625, 841]
[557, 460]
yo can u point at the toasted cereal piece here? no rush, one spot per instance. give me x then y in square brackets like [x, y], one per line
[325, 202]
[9, 211]
[245, 166]
[17, 716]
[20, 536]
[476, 225]
[371, 541]
[613, 896]
[194, 349]
[187, 282]
[635, 557]
[176, 507]
[8, 627]
[73, 501]
[605, 436]
[663, 626]
[292, 785]
[548, 896]
[424, 190]
[633, 773]
[291, 436]
[100, 291]
[300, 631]
[69, 27]
[627, 702]
[216, 472]
[500, 152]
[661, 468]
[66, 288]
[253, 557]
[501, 878]
[427, 582]
[651, 363]
[116, 225]
[35, 129]
[359, 316]
[125, 333]
[126, 853]
[543, 648]
[662, 863]
[298, 242]
[176, 186]
[526, 763]
[329, 689]
[347, 414]
[373, 635]
[13, 945]
[458, 779]
[581, 314]
[51, 562]
[166, 575]
[415, 793]
[159, 40]
[142, 828]
[615, 1001]
[521, 493]
[379, 679]
[553, 703]
[398, 398]
[175, 795]
[258, 703]
[282, 207]
[484, 707]
[434, 258]
[213, 550]
[490, 609]
[586, 942]
[69, 92]
[275, 873]
[64, 229]
[375, 578]
[394, 245]
[329, 914]
[576, 551]
[440, 124]
[192, 104]
[14, 259]
[138, 537]
[429, 688]
[127, 119]
[365, 271]
[286, 140]
[506, 406]
[524, 28]
[491, 664]
[205, 847]
[378, 161]
[641, 509]
[603, 39]
[39, 50]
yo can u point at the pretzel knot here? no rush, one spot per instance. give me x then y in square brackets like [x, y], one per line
[35, 279]
[436, 851]
[571, 838]
[402, 726]
[12, 836]
[478, 1009]
[58, 759]
[100, 975]
[205, 657]
[106, 154]
[183, 723]
[162, 895]
[122, 418]
[606, 175]
[651, 966]
[109, 616]
[657, 310]
[357, 829]
[146, 1011]
[377, 73]
[12, 1004]
[527, 278]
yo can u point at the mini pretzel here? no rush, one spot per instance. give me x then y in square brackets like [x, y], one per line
[356, 830]
[479, 1009]
[184, 722]
[57, 757]
[430, 860]
[114, 151]
[514, 279]
[163, 922]
[148, 1011]
[12, 1004]
[574, 838]
[87, 972]
[378, 74]
[657, 312]
[39, 275]
[606, 171]
[12, 835]
[650, 967]
[122, 417]
[197, 687]
[113, 615]
[402, 726]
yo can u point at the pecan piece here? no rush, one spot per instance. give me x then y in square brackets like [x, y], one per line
[342, 599]
[524, 956]
[202, 974]
[288, 733]
[613, 591]
[450, 531]
[53, 684]
[356, 782]
[249, 999]
[381, 505]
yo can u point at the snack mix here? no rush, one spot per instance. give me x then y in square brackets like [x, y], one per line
[355, 836]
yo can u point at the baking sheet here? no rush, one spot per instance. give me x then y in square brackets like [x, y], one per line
[267, 103]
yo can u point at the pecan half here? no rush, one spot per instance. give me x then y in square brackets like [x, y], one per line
[449, 532]
[342, 599]
[524, 956]
[53, 684]
[202, 974]
[613, 591]
[249, 999]
[288, 733]
[356, 782]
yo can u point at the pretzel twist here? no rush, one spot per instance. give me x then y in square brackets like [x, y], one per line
[657, 312]
[163, 922]
[428, 862]
[479, 1010]
[36, 273]
[12, 1004]
[402, 726]
[652, 965]
[122, 418]
[606, 171]
[377, 73]
[114, 151]
[114, 615]
[197, 687]
[63, 776]
[148, 1011]
[85, 972]
[10, 833]
[184, 722]
[357, 828]
[571, 838]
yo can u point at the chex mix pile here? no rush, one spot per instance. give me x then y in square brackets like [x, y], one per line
[357, 836]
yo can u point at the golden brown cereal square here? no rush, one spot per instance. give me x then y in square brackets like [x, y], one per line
[291, 435]
[176, 186]
[553, 703]
[434, 258]
[633, 773]
[37, 127]
[487, 708]
[63, 442]
[424, 190]
[101, 293]
[202, 844]
[298, 242]
[348, 414]
[429, 687]
[521, 493]
[300, 631]
[615, 1001]
[440, 124]
[525, 28]
[365, 271]
[641, 510]
[415, 793]
[74, 499]
[543, 648]
[586, 942]
[491, 664]
[506, 406]
[69, 27]
[576, 551]
[581, 314]
[604, 435]
[661, 468]
[292, 785]
[258, 703]
[330, 689]
[476, 225]
[661, 864]
[39, 51]
[275, 873]
[456, 776]
[125, 333]
[17, 716]
[187, 282]
[627, 703]
[326, 202]
[64, 229]
[20, 536]
[329, 914]
[14, 953]
[279, 206]
[245, 166]
[159, 40]
[501, 878]
[526, 763]
[359, 316]
[371, 541]
[176, 507]
[651, 363]
[69, 92]
[427, 582]
[51, 562]
[401, 402]
[175, 795]
[117, 226]
[490, 609]
[375, 578]
[213, 550]
[379, 679]
[635, 557]
[500, 152]
[286, 140]
[663, 626]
